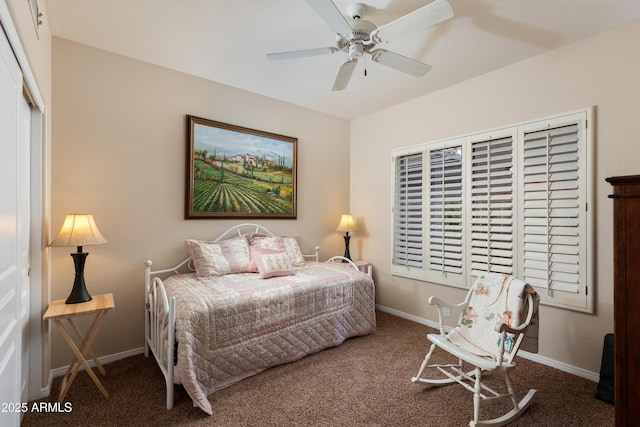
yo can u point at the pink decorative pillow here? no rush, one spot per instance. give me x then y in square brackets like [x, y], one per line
[272, 265]
[215, 259]
[280, 244]
[257, 253]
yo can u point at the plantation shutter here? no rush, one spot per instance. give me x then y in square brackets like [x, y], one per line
[554, 225]
[445, 210]
[512, 200]
[407, 213]
[492, 205]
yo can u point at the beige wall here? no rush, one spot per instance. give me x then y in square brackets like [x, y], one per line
[602, 71]
[119, 153]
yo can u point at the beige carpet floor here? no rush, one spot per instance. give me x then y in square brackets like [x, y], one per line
[364, 382]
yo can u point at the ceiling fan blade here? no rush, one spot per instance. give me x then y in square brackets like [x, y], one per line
[331, 15]
[431, 14]
[400, 63]
[344, 74]
[302, 53]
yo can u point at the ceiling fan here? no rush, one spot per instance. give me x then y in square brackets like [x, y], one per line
[358, 37]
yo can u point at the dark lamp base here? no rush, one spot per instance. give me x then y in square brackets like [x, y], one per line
[79, 292]
[347, 255]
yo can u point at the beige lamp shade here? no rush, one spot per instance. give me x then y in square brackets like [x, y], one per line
[79, 230]
[346, 223]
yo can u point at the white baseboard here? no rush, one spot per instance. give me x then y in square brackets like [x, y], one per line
[579, 372]
[44, 392]
[58, 372]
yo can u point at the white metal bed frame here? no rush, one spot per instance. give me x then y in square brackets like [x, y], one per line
[160, 311]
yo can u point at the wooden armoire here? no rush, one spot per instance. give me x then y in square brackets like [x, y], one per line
[626, 285]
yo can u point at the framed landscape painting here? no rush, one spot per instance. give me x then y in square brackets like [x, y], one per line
[236, 172]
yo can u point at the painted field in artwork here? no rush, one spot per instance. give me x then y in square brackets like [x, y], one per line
[239, 173]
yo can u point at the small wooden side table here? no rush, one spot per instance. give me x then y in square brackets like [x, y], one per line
[58, 312]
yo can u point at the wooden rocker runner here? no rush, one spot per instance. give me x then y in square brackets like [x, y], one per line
[498, 316]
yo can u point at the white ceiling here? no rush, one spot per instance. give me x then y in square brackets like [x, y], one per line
[226, 41]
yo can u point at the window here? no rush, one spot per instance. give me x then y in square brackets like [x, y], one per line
[445, 210]
[407, 236]
[513, 200]
[492, 204]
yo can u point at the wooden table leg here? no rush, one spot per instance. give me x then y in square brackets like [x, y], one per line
[86, 340]
[79, 358]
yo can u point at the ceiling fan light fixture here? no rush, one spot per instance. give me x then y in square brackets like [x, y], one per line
[359, 37]
[356, 50]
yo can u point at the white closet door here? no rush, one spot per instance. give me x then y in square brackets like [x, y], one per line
[24, 237]
[12, 243]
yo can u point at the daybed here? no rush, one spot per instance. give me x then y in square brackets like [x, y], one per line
[248, 300]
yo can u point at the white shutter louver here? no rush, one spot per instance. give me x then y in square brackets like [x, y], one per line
[407, 217]
[552, 220]
[445, 210]
[492, 234]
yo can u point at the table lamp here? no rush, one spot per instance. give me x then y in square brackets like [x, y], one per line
[79, 230]
[346, 224]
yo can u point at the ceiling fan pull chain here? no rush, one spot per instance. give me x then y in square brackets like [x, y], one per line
[365, 66]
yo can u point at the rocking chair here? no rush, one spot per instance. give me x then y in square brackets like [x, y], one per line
[498, 316]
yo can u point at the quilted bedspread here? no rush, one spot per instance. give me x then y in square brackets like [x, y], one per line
[236, 325]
